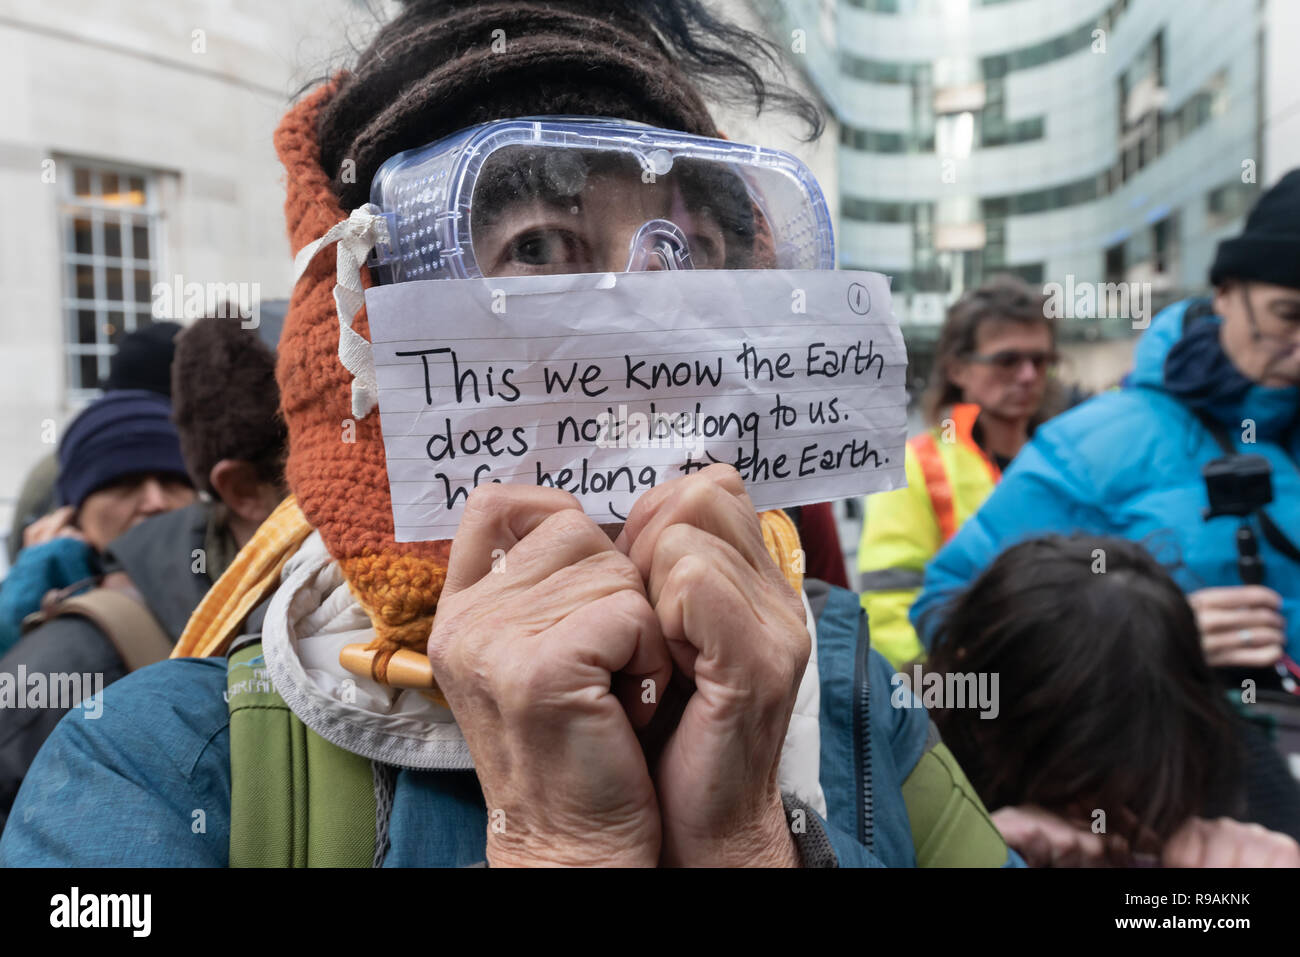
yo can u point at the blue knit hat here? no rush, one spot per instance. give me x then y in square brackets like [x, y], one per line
[121, 433]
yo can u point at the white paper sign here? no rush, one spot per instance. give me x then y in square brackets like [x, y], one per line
[608, 384]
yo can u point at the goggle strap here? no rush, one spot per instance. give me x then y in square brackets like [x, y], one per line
[355, 236]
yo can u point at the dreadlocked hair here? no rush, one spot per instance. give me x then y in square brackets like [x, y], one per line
[444, 65]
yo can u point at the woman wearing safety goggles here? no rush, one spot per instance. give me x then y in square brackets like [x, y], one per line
[539, 690]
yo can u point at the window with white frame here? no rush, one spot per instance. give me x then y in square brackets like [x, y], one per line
[110, 228]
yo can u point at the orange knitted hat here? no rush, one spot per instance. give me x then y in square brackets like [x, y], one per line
[336, 465]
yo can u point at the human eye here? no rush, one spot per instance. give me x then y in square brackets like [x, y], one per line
[546, 249]
[1005, 359]
[706, 250]
[126, 486]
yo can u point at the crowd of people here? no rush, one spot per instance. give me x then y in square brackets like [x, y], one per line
[285, 684]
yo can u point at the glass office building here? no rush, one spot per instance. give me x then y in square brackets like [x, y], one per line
[1067, 141]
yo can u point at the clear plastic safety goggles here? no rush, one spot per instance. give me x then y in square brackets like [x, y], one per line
[549, 195]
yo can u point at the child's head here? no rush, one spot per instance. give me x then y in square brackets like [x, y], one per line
[1106, 701]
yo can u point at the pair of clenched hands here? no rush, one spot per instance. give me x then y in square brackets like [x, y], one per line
[548, 637]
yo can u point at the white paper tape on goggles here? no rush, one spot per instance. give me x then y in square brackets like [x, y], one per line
[547, 195]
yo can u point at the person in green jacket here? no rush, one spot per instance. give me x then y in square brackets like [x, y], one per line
[989, 388]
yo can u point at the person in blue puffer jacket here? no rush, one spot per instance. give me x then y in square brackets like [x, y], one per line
[1129, 462]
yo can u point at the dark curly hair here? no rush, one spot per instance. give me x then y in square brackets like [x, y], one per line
[225, 401]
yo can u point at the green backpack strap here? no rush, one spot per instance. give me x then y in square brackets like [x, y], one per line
[950, 827]
[296, 800]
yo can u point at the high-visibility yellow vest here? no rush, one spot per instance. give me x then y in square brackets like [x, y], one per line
[948, 479]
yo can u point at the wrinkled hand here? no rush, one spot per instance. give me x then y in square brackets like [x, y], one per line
[525, 646]
[1241, 625]
[736, 628]
[1228, 843]
[58, 524]
[1044, 839]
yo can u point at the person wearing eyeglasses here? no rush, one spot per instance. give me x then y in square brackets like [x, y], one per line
[1212, 376]
[988, 390]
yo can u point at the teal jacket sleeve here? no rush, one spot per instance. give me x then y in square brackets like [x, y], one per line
[1046, 490]
[39, 568]
[145, 783]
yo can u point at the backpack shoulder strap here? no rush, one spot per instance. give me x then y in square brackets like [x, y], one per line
[296, 800]
[950, 825]
[129, 625]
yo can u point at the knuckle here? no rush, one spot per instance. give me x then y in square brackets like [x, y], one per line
[621, 570]
[487, 500]
[787, 665]
[678, 537]
[689, 571]
[444, 642]
[702, 494]
[607, 568]
[570, 523]
[628, 607]
[648, 503]
[725, 475]
[800, 648]
[438, 650]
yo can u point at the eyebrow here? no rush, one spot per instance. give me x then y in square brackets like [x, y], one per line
[520, 172]
[495, 199]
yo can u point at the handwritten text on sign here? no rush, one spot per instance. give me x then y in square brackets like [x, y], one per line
[606, 385]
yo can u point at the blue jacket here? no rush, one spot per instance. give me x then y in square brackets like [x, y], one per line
[124, 790]
[1128, 463]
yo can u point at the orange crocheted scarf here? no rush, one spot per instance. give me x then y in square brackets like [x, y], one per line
[336, 465]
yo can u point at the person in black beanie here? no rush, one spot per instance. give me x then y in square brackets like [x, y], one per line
[144, 359]
[1213, 375]
[1257, 291]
